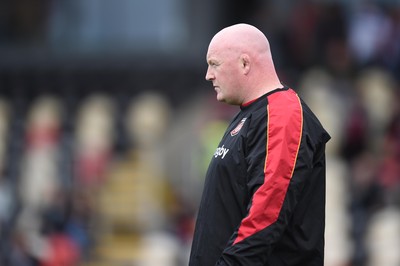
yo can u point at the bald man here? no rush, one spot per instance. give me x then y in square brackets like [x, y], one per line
[263, 201]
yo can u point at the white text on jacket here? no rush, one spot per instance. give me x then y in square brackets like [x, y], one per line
[221, 151]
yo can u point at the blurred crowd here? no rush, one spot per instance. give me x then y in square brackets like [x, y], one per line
[102, 173]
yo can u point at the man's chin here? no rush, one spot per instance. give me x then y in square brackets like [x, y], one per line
[220, 98]
[223, 100]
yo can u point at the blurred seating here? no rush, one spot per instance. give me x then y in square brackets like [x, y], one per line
[135, 198]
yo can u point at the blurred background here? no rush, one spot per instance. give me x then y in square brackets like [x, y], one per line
[107, 124]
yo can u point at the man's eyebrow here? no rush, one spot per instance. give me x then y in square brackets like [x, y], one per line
[211, 61]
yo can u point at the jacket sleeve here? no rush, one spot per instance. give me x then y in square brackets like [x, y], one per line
[277, 159]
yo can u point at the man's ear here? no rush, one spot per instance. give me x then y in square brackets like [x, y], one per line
[245, 63]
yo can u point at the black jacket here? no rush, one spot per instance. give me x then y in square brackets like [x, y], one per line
[264, 194]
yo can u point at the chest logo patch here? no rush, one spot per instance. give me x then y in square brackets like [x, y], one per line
[238, 127]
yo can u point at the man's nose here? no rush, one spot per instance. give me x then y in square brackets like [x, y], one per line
[209, 75]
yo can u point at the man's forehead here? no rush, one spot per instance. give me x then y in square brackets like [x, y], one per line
[214, 49]
[211, 58]
[216, 53]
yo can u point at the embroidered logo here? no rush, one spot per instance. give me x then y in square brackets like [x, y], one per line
[221, 151]
[238, 127]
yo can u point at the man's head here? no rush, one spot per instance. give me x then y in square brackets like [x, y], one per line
[240, 64]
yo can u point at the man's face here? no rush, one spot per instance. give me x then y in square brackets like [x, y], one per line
[223, 72]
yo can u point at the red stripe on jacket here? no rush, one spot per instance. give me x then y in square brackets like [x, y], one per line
[284, 130]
